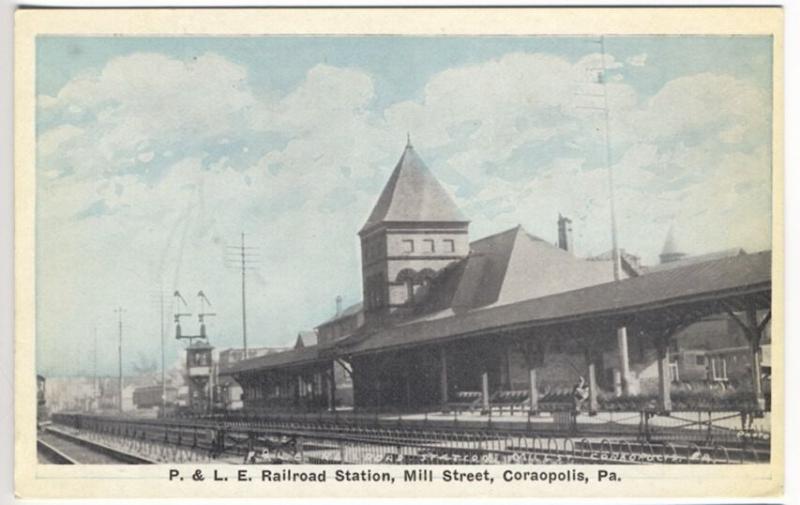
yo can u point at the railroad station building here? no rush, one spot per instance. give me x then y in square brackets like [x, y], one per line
[510, 318]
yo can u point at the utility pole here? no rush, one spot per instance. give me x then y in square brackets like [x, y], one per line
[244, 261]
[163, 361]
[244, 301]
[119, 311]
[95, 400]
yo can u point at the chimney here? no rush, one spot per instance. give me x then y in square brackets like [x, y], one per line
[565, 233]
[338, 305]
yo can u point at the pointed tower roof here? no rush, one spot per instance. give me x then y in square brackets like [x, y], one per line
[413, 194]
[671, 252]
[670, 244]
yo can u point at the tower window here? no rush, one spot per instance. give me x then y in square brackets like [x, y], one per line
[408, 246]
[449, 245]
[427, 245]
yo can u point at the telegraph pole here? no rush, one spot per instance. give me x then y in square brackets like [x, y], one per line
[119, 311]
[244, 261]
[94, 373]
[163, 362]
[244, 302]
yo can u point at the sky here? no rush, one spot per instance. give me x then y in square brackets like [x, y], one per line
[155, 154]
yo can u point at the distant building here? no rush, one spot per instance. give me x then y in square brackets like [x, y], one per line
[343, 324]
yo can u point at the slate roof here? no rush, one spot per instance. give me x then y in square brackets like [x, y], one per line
[508, 267]
[413, 194]
[750, 272]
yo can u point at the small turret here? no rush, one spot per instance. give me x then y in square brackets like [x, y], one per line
[671, 252]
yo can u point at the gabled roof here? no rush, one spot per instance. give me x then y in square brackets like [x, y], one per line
[508, 267]
[352, 310]
[305, 339]
[413, 194]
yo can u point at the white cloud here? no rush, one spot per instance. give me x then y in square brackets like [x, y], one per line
[637, 61]
[701, 104]
[49, 141]
[150, 97]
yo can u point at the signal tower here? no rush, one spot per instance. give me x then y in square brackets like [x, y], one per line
[198, 356]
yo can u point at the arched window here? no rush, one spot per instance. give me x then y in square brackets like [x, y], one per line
[409, 278]
[426, 276]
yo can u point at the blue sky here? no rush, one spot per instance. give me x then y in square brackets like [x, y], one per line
[154, 153]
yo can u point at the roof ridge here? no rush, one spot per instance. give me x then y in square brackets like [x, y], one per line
[496, 234]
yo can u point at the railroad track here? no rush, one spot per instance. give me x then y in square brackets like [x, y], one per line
[241, 436]
[59, 447]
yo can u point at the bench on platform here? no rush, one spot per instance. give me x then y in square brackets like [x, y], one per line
[465, 400]
[509, 399]
[557, 400]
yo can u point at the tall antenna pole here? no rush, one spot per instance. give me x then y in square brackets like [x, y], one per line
[615, 256]
[119, 311]
[622, 331]
[244, 303]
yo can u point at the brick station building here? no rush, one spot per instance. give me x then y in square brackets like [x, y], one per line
[445, 319]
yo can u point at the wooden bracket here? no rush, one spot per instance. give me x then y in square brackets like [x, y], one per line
[347, 366]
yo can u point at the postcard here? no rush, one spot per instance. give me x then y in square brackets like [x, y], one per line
[441, 252]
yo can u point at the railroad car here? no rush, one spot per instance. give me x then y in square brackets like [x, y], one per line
[42, 413]
[149, 397]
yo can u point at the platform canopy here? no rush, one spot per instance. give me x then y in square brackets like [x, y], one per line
[656, 298]
[292, 358]
[684, 293]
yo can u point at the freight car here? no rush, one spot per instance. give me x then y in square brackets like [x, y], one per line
[149, 397]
